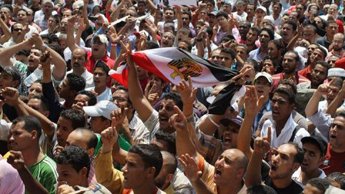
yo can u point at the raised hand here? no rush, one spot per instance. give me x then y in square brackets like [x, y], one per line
[190, 167]
[178, 120]
[262, 145]
[252, 101]
[11, 95]
[187, 92]
[65, 189]
[16, 159]
[109, 137]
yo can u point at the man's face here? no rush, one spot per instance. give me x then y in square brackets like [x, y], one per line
[78, 60]
[5, 14]
[332, 92]
[134, 172]
[242, 52]
[229, 136]
[17, 30]
[273, 51]
[222, 21]
[318, 74]
[68, 175]
[338, 42]
[64, 128]
[98, 124]
[226, 168]
[317, 55]
[287, 32]
[289, 63]
[120, 98]
[337, 133]
[309, 34]
[19, 139]
[243, 29]
[252, 36]
[221, 58]
[22, 17]
[262, 86]
[250, 9]
[81, 99]
[264, 38]
[282, 160]
[276, 9]
[268, 67]
[47, 8]
[312, 158]
[99, 77]
[99, 49]
[6, 80]
[35, 90]
[166, 110]
[34, 59]
[169, 15]
[281, 107]
[332, 29]
[64, 90]
[185, 20]
[167, 39]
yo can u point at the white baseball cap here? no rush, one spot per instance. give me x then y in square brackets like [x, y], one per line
[102, 108]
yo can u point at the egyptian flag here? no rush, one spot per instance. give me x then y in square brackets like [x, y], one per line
[173, 65]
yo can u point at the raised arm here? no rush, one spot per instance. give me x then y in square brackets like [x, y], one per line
[6, 32]
[7, 53]
[261, 147]
[337, 101]
[70, 41]
[105, 172]
[252, 106]
[313, 104]
[140, 103]
[31, 184]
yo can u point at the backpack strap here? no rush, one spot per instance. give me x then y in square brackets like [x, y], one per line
[297, 128]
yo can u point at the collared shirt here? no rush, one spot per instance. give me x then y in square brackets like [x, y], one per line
[257, 55]
[90, 62]
[281, 76]
[10, 181]
[297, 175]
[306, 72]
[285, 134]
[139, 132]
[105, 95]
[87, 76]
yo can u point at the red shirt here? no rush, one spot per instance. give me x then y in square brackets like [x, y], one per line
[334, 162]
[281, 76]
[90, 63]
[305, 72]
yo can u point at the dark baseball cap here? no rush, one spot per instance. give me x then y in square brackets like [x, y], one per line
[318, 141]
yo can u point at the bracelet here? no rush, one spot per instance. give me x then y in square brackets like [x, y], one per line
[190, 119]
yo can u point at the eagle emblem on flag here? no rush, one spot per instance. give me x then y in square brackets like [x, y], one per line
[184, 67]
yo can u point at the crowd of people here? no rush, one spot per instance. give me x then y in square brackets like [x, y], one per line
[277, 126]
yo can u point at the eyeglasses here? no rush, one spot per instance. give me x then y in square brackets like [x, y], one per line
[17, 29]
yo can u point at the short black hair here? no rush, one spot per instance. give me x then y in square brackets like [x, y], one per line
[75, 116]
[229, 51]
[261, 189]
[339, 178]
[222, 13]
[31, 123]
[76, 82]
[93, 141]
[288, 92]
[75, 156]
[269, 31]
[292, 23]
[169, 139]
[103, 66]
[92, 97]
[175, 97]
[150, 154]
[13, 72]
[321, 184]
